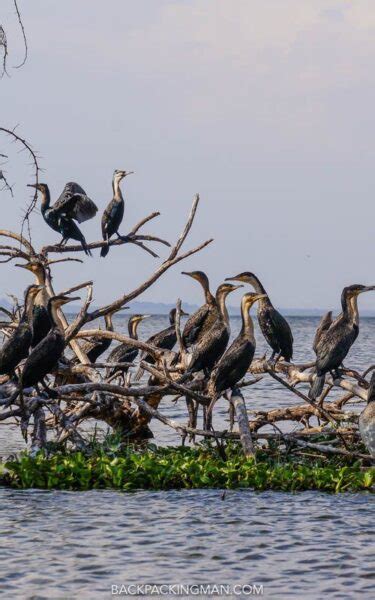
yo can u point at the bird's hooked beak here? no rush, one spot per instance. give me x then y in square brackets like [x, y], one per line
[235, 287]
[124, 173]
[367, 288]
[236, 278]
[66, 299]
[192, 274]
[144, 317]
[183, 313]
[26, 266]
[33, 185]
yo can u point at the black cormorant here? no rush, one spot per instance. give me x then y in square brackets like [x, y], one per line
[214, 340]
[124, 352]
[97, 345]
[335, 343]
[274, 327]
[234, 363]
[41, 320]
[17, 346]
[45, 356]
[202, 319]
[114, 213]
[72, 205]
[165, 339]
[367, 419]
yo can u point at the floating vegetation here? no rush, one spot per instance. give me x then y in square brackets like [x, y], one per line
[155, 468]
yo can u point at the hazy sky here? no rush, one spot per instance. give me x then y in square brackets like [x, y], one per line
[264, 107]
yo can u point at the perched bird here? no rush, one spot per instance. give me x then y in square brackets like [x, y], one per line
[335, 343]
[41, 320]
[114, 213]
[274, 327]
[165, 339]
[124, 352]
[17, 346]
[234, 363]
[72, 205]
[324, 325]
[367, 419]
[45, 356]
[97, 345]
[204, 317]
[214, 340]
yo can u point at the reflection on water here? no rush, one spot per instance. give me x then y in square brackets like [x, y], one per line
[77, 544]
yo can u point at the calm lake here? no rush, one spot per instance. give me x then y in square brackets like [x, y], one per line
[78, 544]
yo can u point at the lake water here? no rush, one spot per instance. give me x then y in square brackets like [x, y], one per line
[78, 544]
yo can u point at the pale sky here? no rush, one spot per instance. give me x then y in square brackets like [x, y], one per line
[264, 107]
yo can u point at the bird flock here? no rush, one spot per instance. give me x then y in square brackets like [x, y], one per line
[38, 339]
[74, 206]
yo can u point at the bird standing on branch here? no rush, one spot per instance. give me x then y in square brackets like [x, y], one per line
[234, 363]
[114, 213]
[334, 344]
[125, 352]
[41, 320]
[274, 327]
[17, 345]
[45, 356]
[72, 205]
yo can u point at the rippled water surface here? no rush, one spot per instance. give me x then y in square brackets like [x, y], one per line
[77, 544]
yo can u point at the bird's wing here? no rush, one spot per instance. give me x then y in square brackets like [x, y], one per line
[286, 337]
[194, 324]
[335, 345]
[324, 325]
[74, 203]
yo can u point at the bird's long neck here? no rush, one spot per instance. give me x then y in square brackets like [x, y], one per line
[209, 298]
[54, 317]
[350, 309]
[108, 322]
[46, 199]
[247, 322]
[172, 318]
[117, 194]
[40, 277]
[133, 329]
[259, 288]
[29, 305]
[221, 303]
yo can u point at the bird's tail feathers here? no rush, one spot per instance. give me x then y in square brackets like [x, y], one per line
[317, 387]
[104, 251]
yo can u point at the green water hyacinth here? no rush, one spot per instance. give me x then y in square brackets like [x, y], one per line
[183, 468]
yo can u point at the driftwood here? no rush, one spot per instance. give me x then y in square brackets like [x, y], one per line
[82, 391]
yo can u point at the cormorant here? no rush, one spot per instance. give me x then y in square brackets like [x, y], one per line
[124, 352]
[324, 324]
[165, 339]
[335, 343]
[16, 347]
[204, 317]
[234, 363]
[274, 327]
[367, 419]
[41, 320]
[45, 356]
[96, 346]
[72, 205]
[114, 213]
[214, 340]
